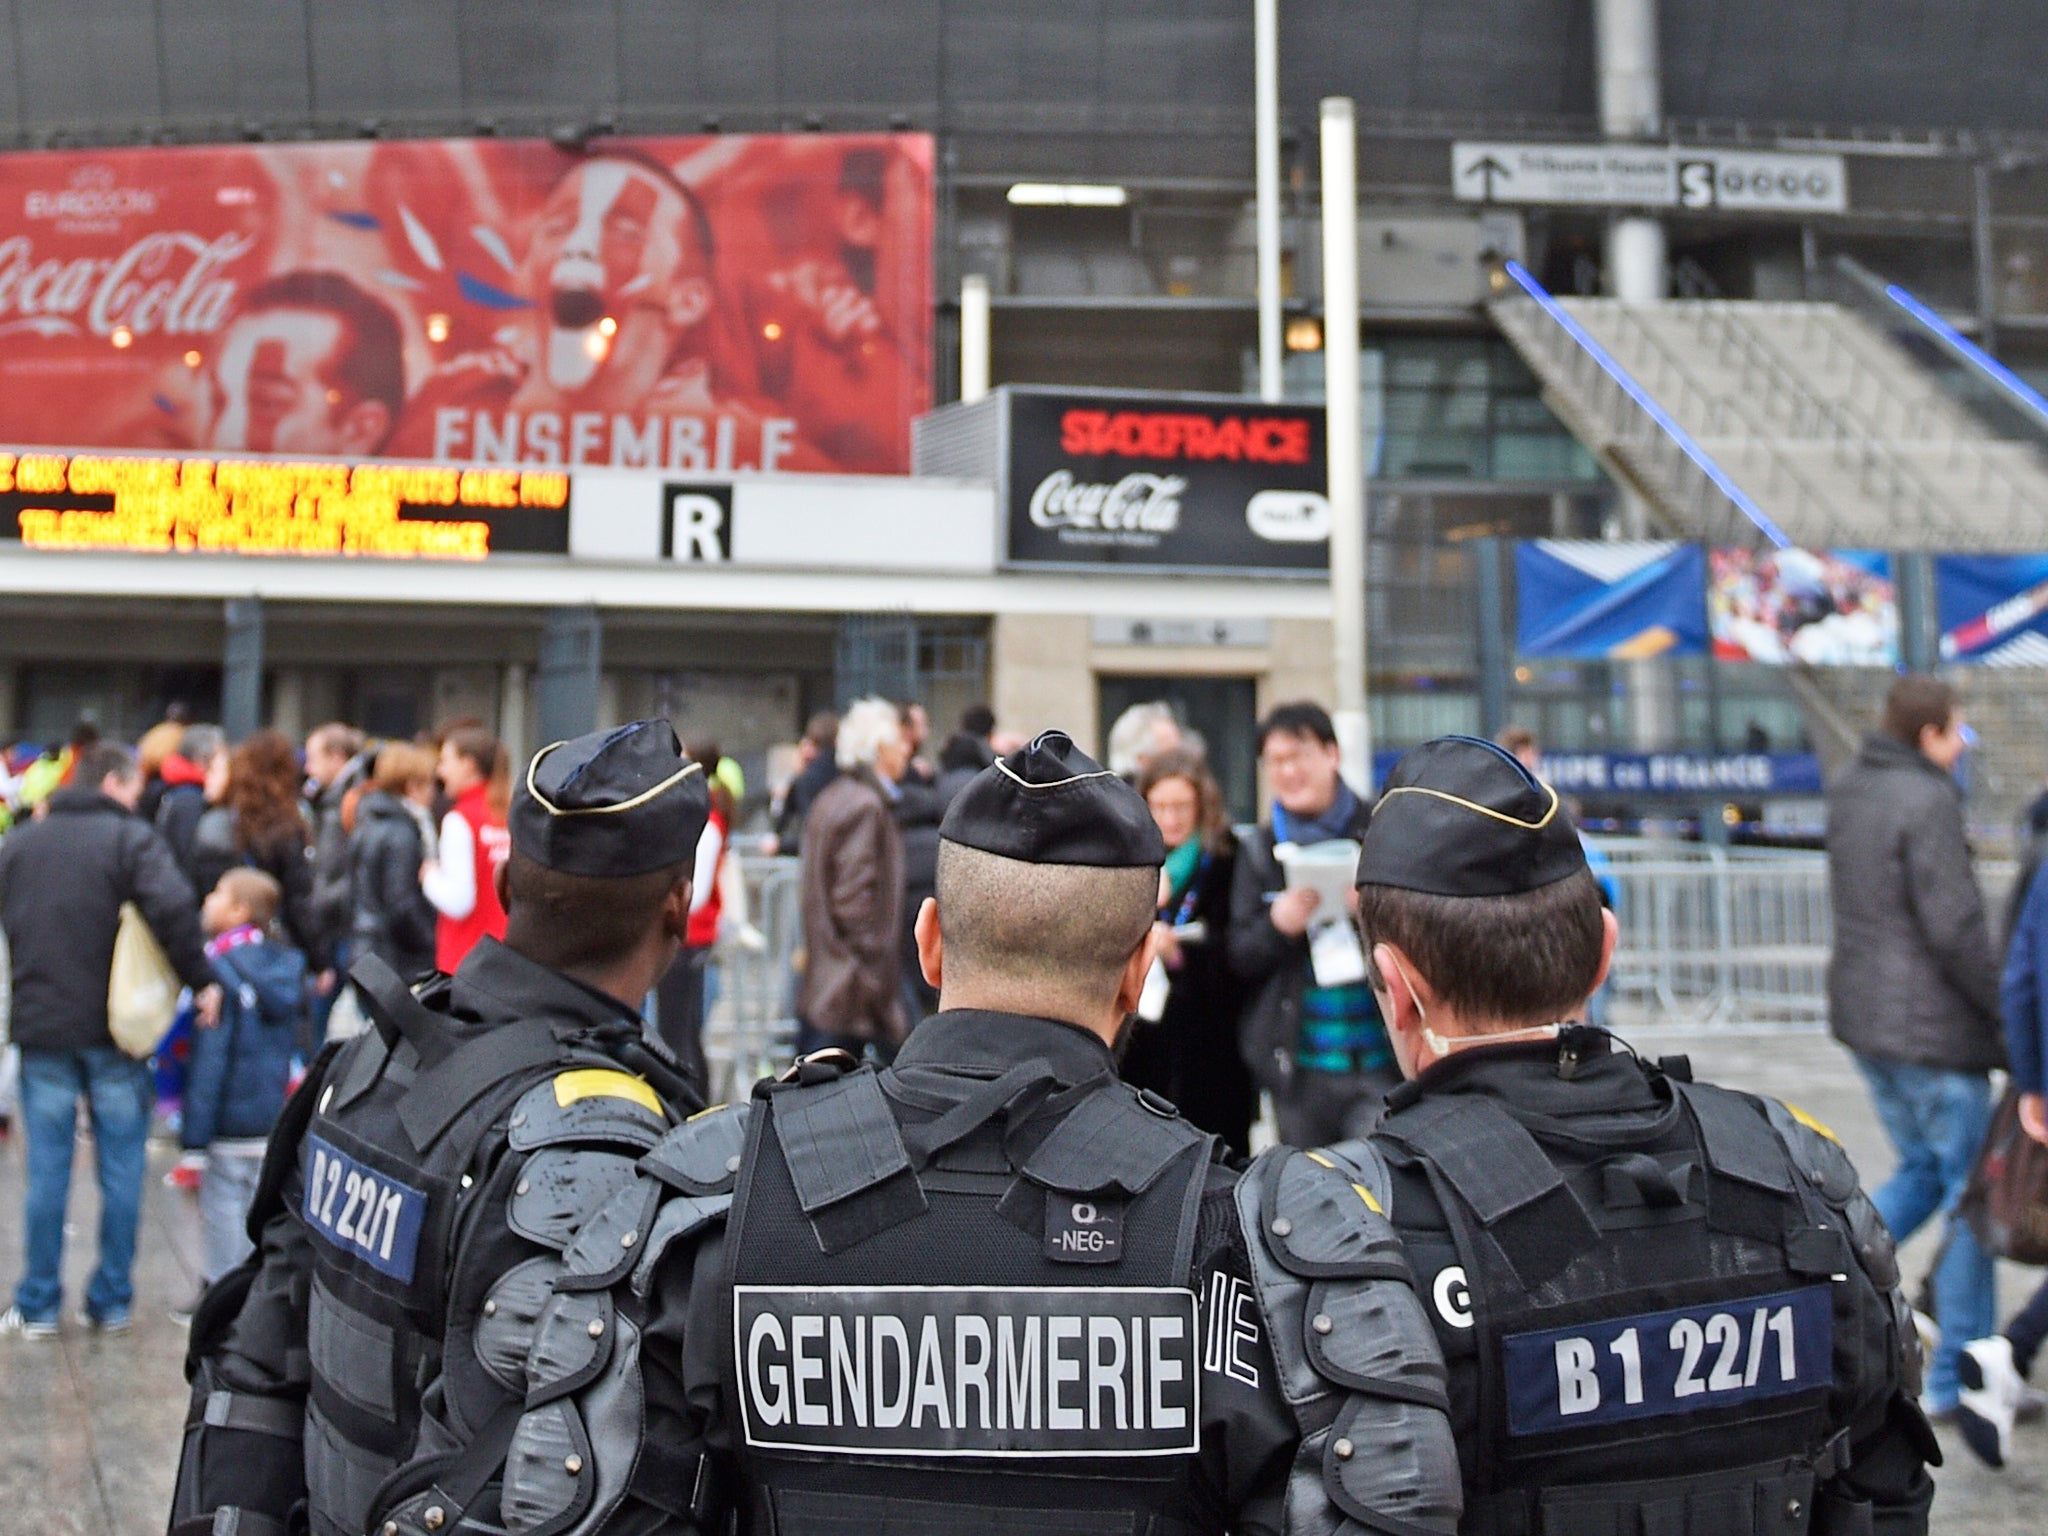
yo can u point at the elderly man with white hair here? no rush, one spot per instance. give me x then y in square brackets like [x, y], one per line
[1141, 733]
[852, 888]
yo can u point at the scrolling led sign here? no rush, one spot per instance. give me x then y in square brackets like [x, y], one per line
[268, 507]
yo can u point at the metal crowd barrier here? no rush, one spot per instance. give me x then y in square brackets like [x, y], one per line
[1735, 937]
[751, 1027]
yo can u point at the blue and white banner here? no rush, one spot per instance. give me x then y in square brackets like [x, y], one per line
[1594, 600]
[1734, 774]
[1993, 609]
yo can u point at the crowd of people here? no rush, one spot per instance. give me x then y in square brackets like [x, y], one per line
[261, 869]
[264, 868]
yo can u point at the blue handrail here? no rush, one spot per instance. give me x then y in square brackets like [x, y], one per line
[1651, 408]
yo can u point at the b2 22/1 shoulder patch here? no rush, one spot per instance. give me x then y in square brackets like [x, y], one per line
[367, 1214]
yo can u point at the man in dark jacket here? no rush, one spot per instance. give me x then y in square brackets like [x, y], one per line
[335, 764]
[1312, 1034]
[63, 882]
[1913, 985]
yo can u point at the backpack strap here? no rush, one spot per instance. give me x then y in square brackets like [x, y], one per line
[1502, 1175]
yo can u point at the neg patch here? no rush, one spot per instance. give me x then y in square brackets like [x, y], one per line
[986, 1371]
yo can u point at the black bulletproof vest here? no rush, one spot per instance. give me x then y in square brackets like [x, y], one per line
[966, 1308]
[1654, 1317]
[398, 1142]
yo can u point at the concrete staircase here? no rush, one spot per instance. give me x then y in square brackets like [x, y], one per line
[1804, 416]
[1726, 416]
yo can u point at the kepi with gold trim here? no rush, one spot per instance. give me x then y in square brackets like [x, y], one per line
[611, 804]
[1460, 817]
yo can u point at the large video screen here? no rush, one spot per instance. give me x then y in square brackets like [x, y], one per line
[723, 303]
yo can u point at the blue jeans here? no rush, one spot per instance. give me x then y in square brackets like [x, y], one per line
[1937, 1121]
[118, 1095]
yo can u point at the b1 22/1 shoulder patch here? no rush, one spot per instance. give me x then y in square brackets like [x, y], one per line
[1685, 1360]
[367, 1214]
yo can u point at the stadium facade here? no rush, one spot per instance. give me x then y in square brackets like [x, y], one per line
[1930, 113]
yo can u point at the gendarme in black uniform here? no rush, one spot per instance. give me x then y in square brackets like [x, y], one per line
[366, 1368]
[1666, 1307]
[992, 1289]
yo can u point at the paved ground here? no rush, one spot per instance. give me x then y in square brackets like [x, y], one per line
[89, 1426]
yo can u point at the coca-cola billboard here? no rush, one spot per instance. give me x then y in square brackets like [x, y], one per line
[1164, 481]
[724, 303]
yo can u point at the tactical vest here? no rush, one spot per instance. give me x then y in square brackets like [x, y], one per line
[393, 1163]
[1656, 1325]
[966, 1314]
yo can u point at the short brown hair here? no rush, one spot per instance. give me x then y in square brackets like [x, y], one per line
[1066, 931]
[1916, 701]
[400, 766]
[1521, 959]
[258, 893]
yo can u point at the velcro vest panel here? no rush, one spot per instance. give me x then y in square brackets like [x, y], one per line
[1653, 1323]
[958, 1318]
[390, 1167]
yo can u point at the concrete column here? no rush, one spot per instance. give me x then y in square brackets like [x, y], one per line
[1638, 263]
[974, 338]
[1343, 417]
[1630, 79]
[569, 679]
[288, 702]
[514, 727]
[241, 683]
[1629, 68]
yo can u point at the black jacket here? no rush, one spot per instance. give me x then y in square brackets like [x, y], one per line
[1267, 960]
[216, 849]
[1913, 977]
[393, 918]
[332, 909]
[918, 810]
[1607, 1110]
[178, 811]
[62, 883]
[1192, 1054]
[1249, 1435]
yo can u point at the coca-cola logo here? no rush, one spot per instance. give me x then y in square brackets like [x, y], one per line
[1253, 439]
[1138, 504]
[172, 281]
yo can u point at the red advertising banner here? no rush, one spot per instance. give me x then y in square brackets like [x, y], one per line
[729, 302]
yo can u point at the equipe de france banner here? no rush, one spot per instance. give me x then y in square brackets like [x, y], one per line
[709, 304]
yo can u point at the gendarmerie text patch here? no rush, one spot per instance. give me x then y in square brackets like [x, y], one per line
[1000, 1371]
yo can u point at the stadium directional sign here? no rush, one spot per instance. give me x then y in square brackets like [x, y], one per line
[1649, 176]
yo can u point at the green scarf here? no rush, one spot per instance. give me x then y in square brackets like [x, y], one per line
[1181, 865]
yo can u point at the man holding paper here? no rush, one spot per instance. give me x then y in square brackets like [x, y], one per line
[1312, 1034]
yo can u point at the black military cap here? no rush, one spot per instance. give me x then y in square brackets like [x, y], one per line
[612, 804]
[1051, 803]
[1461, 817]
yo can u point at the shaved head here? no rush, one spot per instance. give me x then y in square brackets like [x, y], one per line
[1065, 931]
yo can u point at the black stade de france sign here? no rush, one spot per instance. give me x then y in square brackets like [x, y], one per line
[1165, 481]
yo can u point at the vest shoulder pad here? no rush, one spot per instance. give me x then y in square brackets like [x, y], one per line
[1118, 1140]
[585, 1104]
[702, 1155]
[558, 1188]
[1821, 1161]
[1354, 1350]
